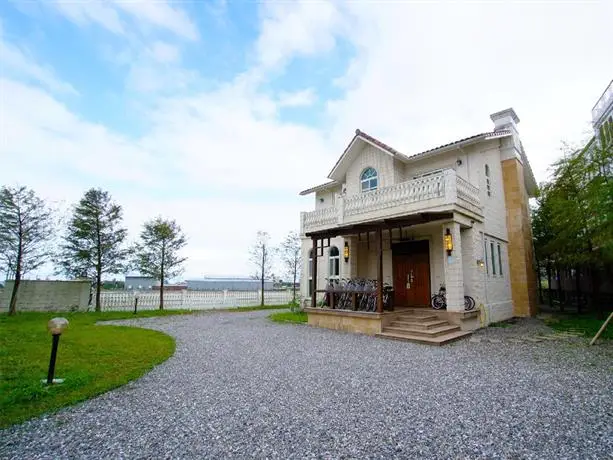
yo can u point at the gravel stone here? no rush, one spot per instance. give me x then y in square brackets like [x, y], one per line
[240, 386]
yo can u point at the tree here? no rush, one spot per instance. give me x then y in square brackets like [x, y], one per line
[26, 228]
[94, 241]
[261, 256]
[291, 256]
[157, 253]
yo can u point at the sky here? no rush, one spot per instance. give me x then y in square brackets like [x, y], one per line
[217, 113]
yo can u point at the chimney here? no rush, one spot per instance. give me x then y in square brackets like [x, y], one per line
[505, 119]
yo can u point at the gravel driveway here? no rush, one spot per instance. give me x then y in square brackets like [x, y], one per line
[240, 386]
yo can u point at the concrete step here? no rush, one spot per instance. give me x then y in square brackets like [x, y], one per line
[418, 324]
[433, 332]
[411, 317]
[438, 340]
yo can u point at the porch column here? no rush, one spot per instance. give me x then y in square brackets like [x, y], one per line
[379, 270]
[454, 276]
[314, 280]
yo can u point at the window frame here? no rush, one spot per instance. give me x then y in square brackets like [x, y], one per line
[499, 259]
[334, 261]
[493, 258]
[488, 182]
[369, 180]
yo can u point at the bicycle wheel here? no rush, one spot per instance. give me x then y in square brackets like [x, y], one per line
[469, 303]
[439, 302]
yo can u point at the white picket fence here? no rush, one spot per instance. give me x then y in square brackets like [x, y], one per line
[190, 300]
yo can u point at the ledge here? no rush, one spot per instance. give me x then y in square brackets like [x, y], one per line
[348, 313]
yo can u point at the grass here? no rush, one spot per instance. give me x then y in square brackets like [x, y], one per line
[289, 317]
[92, 359]
[587, 324]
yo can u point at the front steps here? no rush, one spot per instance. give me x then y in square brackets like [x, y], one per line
[422, 326]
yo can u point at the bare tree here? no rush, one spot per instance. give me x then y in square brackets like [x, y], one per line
[93, 244]
[26, 228]
[291, 256]
[261, 255]
[157, 253]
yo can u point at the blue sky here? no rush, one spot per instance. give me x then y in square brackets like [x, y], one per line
[217, 113]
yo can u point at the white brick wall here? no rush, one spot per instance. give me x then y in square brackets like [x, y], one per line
[373, 157]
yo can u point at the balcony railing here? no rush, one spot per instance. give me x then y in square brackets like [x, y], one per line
[436, 191]
[603, 103]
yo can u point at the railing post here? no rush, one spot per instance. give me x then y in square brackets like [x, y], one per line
[451, 186]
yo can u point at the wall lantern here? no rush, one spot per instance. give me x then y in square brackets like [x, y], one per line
[55, 327]
[346, 252]
[480, 263]
[448, 239]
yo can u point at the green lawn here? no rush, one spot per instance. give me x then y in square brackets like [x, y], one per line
[289, 317]
[587, 324]
[92, 359]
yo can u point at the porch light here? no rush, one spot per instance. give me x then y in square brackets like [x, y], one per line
[346, 252]
[480, 263]
[448, 239]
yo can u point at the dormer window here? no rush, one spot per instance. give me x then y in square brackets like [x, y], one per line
[369, 180]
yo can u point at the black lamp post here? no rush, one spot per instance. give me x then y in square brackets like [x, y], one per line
[55, 327]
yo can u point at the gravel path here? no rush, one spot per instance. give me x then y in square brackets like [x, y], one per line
[240, 386]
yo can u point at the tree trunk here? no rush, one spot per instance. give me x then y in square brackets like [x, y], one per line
[549, 283]
[98, 284]
[578, 288]
[540, 281]
[13, 303]
[560, 288]
[294, 284]
[596, 302]
[162, 281]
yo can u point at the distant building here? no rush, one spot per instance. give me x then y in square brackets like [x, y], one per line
[140, 283]
[230, 284]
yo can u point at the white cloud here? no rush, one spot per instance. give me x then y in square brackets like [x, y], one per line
[82, 13]
[19, 63]
[164, 52]
[160, 14]
[300, 28]
[113, 15]
[301, 98]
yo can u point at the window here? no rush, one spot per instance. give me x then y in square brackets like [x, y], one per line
[493, 258]
[487, 260]
[334, 263]
[369, 179]
[310, 272]
[499, 261]
[488, 182]
[429, 173]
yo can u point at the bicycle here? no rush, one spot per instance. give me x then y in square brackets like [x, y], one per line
[439, 301]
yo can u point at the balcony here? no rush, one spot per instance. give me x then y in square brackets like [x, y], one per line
[603, 104]
[438, 192]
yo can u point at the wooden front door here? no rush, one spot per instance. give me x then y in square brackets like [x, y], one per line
[411, 267]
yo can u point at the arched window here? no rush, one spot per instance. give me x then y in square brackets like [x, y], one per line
[334, 263]
[369, 179]
[488, 182]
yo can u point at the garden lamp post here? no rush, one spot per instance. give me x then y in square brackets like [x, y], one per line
[55, 327]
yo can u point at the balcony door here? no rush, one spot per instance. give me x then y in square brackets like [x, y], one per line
[411, 269]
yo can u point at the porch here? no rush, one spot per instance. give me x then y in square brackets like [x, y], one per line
[408, 257]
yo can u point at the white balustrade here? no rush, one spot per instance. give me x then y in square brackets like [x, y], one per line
[442, 188]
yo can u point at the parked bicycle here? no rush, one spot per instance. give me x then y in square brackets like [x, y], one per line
[439, 301]
[357, 294]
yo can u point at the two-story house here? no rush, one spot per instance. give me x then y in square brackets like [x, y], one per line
[455, 216]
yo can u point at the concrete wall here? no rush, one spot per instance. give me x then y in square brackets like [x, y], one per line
[35, 295]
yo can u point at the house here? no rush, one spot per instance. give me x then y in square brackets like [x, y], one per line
[455, 216]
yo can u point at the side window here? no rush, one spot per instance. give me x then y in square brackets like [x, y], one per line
[499, 261]
[488, 180]
[493, 258]
[487, 259]
[334, 262]
[310, 272]
[369, 180]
